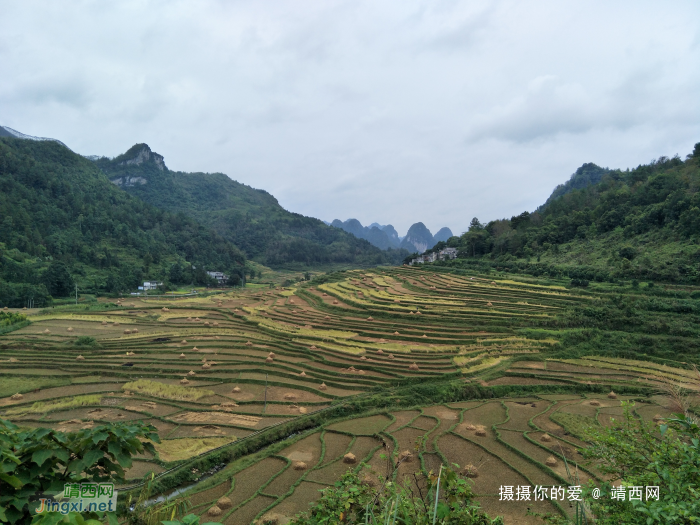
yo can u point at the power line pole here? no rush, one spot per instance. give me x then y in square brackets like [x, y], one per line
[265, 407]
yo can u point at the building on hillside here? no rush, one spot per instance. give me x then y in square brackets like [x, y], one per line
[220, 277]
[150, 285]
[446, 253]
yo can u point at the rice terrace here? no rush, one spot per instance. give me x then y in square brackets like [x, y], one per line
[263, 397]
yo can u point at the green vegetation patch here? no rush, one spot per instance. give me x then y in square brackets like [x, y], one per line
[165, 391]
[185, 448]
[60, 404]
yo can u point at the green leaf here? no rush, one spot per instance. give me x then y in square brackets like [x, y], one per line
[11, 480]
[41, 455]
[92, 457]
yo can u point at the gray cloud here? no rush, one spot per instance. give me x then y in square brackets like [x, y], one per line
[395, 112]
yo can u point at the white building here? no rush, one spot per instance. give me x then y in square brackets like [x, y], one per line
[219, 276]
[150, 285]
[446, 253]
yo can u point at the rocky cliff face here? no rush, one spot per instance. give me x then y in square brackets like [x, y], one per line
[418, 239]
[144, 154]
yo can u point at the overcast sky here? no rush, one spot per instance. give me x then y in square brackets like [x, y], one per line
[389, 111]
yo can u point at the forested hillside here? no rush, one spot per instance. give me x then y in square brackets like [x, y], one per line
[250, 218]
[641, 224]
[63, 222]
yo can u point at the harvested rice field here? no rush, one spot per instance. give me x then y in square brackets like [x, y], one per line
[313, 380]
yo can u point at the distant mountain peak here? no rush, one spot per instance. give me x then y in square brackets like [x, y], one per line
[139, 154]
[9, 132]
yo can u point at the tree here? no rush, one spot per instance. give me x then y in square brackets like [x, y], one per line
[58, 281]
[43, 460]
[475, 225]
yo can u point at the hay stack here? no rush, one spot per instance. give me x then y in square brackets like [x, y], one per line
[595, 403]
[47, 331]
[197, 319]
[335, 302]
[424, 335]
[127, 332]
[469, 427]
[70, 328]
[290, 396]
[312, 347]
[303, 410]
[184, 341]
[184, 381]
[130, 353]
[657, 418]
[349, 458]
[236, 390]
[14, 360]
[323, 386]
[271, 354]
[191, 373]
[470, 471]
[214, 511]
[413, 366]
[391, 356]
[224, 503]
[195, 349]
[135, 331]
[299, 465]
[269, 360]
[215, 323]
[551, 461]
[546, 438]
[406, 456]
[418, 312]
[182, 356]
[248, 343]
[303, 374]
[17, 397]
[380, 351]
[489, 304]
[5, 308]
[80, 358]
[104, 323]
[396, 333]
[480, 430]
[206, 366]
[116, 324]
[370, 318]
[165, 309]
[189, 318]
[327, 317]
[612, 395]
[363, 358]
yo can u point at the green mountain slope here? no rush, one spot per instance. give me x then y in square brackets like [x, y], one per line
[63, 221]
[641, 224]
[250, 218]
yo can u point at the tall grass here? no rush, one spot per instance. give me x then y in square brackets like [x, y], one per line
[165, 391]
[59, 404]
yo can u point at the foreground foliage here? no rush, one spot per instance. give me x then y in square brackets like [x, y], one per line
[353, 500]
[39, 461]
[636, 454]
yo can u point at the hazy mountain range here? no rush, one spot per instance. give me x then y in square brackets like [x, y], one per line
[417, 239]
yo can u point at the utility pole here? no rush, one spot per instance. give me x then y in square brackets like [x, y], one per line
[76, 293]
[265, 407]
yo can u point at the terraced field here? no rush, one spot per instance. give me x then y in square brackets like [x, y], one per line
[338, 366]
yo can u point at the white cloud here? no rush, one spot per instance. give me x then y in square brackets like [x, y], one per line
[395, 112]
